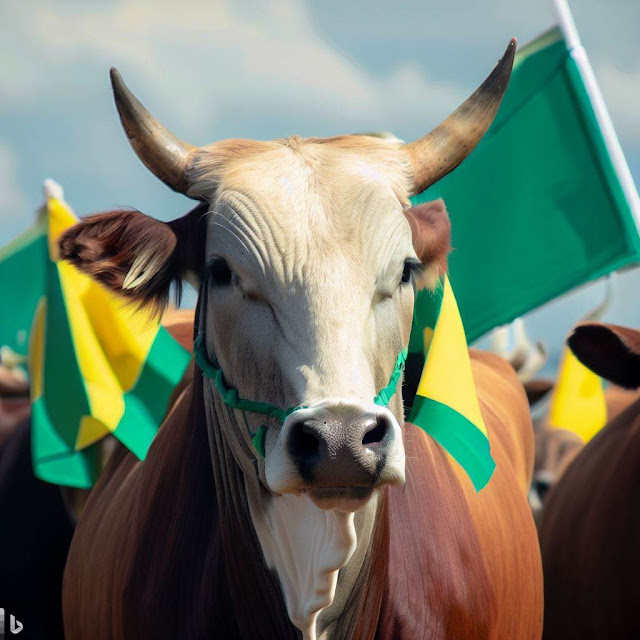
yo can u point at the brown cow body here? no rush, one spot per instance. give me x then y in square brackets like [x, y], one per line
[591, 525]
[273, 501]
[164, 550]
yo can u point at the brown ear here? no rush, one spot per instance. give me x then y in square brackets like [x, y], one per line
[431, 231]
[134, 255]
[611, 351]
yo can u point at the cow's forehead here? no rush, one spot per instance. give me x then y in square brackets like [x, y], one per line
[344, 169]
[344, 192]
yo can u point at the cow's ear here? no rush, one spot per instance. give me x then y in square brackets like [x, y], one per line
[431, 233]
[134, 255]
[611, 351]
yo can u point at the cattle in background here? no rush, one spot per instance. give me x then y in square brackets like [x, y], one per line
[555, 447]
[591, 524]
[38, 518]
[307, 254]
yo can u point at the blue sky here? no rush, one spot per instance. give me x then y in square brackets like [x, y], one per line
[215, 69]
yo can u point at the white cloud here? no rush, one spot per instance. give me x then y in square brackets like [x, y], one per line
[204, 61]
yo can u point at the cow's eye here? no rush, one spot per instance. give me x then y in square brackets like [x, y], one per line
[219, 272]
[411, 268]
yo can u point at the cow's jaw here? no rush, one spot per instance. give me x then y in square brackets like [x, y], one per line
[307, 546]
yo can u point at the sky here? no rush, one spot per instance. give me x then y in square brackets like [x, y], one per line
[258, 69]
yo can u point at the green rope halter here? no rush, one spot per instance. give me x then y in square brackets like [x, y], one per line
[230, 397]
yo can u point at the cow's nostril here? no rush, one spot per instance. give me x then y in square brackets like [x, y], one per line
[304, 442]
[376, 434]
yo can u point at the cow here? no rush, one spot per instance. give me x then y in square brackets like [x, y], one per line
[591, 525]
[333, 518]
[555, 447]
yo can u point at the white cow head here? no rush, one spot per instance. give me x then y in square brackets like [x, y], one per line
[308, 255]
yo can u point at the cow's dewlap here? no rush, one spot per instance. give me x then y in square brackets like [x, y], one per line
[306, 546]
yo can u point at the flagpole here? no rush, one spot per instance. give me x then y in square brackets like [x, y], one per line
[578, 53]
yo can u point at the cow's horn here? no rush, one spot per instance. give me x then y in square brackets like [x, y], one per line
[163, 154]
[441, 151]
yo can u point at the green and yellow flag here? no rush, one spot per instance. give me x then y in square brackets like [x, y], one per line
[97, 367]
[446, 404]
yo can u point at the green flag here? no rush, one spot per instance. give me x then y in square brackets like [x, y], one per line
[545, 203]
[22, 274]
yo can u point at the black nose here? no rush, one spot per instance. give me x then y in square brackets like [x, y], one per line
[340, 452]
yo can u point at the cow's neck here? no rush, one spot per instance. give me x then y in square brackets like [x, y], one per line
[318, 555]
[323, 570]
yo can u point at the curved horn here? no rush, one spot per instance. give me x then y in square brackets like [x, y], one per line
[162, 153]
[441, 151]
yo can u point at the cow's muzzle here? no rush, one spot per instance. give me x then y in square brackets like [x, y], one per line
[338, 452]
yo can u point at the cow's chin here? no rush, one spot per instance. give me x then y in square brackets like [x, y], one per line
[345, 499]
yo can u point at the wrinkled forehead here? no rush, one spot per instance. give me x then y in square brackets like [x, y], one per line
[314, 194]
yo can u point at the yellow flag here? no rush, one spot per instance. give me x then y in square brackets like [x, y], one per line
[578, 403]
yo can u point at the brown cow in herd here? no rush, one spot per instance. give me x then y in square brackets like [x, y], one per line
[555, 447]
[590, 530]
[341, 521]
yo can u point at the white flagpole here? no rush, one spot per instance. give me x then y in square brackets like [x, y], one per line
[578, 53]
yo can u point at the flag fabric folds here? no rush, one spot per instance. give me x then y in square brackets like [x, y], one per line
[97, 367]
[446, 404]
[539, 207]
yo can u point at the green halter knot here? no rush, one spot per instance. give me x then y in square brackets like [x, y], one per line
[230, 397]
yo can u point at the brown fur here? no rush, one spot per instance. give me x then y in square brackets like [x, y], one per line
[105, 246]
[591, 525]
[166, 549]
[179, 323]
[431, 231]
[589, 538]
[618, 399]
[556, 448]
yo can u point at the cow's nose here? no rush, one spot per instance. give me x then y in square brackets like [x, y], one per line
[340, 451]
